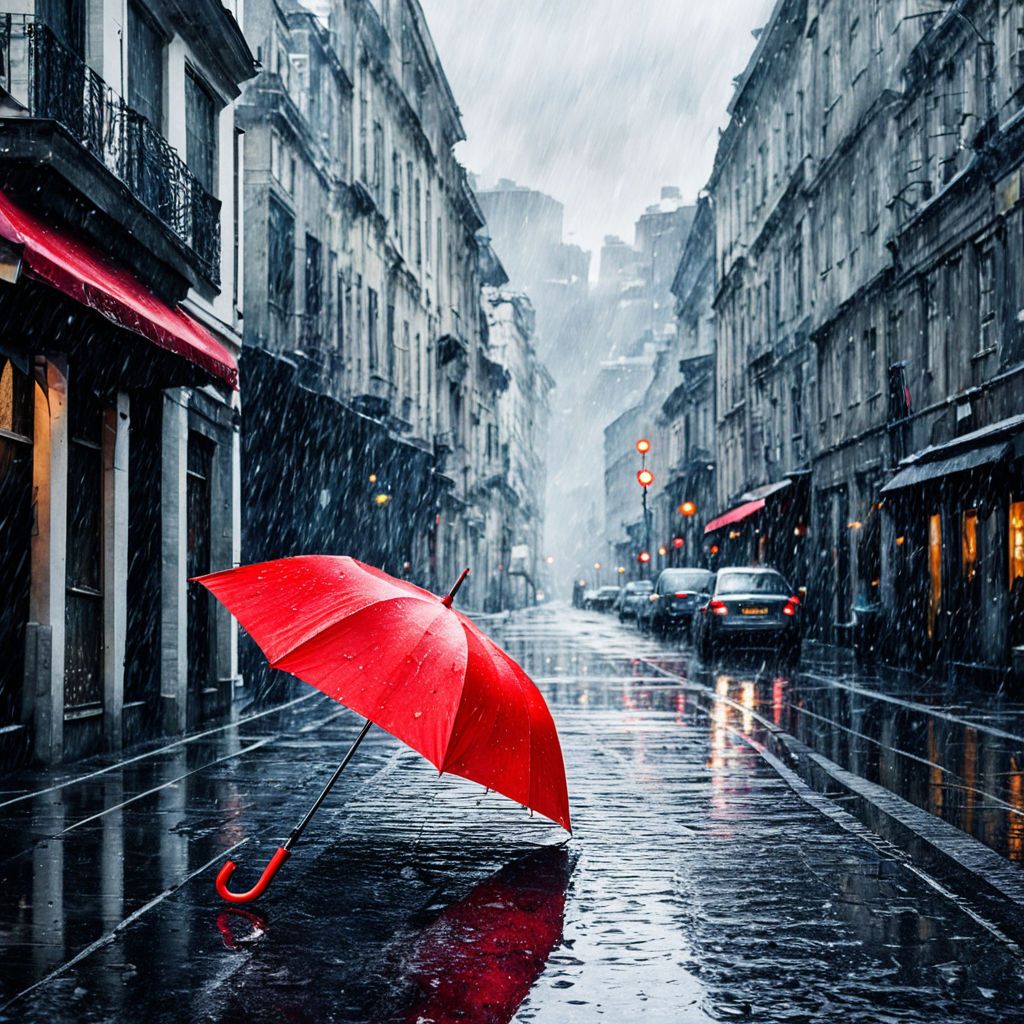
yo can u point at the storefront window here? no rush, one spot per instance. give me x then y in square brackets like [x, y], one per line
[969, 545]
[935, 572]
[1016, 542]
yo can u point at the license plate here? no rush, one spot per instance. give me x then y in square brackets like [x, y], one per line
[754, 611]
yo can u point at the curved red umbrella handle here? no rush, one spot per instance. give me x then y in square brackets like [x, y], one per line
[259, 888]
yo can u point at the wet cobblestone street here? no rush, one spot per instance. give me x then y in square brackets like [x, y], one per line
[700, 884]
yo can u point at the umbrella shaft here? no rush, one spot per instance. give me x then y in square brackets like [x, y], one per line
[300, 828]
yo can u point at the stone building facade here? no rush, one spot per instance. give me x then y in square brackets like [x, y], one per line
[868, 250]
[368, 344]
[121, 309]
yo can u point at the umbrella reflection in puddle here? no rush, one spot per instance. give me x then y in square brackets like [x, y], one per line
[239, 943]
[480, 957]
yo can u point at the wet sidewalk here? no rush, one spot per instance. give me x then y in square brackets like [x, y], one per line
[700, 884]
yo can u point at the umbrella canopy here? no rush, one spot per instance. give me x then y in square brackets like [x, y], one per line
[407, 661]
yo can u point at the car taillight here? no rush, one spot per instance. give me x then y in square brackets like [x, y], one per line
[789, 608]
[718, 607]
[682, 593]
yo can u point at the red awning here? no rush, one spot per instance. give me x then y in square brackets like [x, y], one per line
[735, 515]
[73, 268]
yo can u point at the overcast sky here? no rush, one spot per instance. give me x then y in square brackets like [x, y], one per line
[596, 102]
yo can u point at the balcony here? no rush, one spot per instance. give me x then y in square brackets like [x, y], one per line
[45, 80]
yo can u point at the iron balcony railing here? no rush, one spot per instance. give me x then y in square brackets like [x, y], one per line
[51, 81]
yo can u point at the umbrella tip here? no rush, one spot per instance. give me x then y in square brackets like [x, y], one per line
[447, 601]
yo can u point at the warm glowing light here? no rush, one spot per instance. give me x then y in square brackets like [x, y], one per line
[550, 559]
[733, 534]
[714, 549]
[621, 569]
[662, 550]
[597, 565]
[644, 557]
[854, 524]
[677, 542]
[381, 499]
[645, 478]
[373, 478]
[899, 541]
[688, 508]
[643, 446]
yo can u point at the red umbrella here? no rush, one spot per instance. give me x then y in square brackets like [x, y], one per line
[407, 661]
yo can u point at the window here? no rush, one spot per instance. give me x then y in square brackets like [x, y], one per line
[396, 193]
[419, 227]
[934, 573]
[871, 360]
[378, 163]
[428, 219]
[796, 408]
[314, 278]
[1016, 544]
[371, 318]
[200, 131]
[145, 66]
[363, 113]
[928, 316]
[344, 306]
[986, 299]
[797, 271]
[826, 77]
[969, 545]
[389, 353]
[282, 163]
[280, 257]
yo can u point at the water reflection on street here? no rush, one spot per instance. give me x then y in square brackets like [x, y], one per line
[698, 885]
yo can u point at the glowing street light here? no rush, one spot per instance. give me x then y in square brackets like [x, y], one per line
[381, 499]
[645, 478]
[662, 550]
[688, 508]
[643, 446]
[597, 565]
[621, 569]
[644, 557]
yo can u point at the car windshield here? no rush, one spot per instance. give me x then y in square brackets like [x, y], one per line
[751, 583]
[676, 580]
[608, 590]
[640, 587]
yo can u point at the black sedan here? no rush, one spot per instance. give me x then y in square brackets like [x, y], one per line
[605, 597]
[634, 595]
[746, 607]
[674, 601]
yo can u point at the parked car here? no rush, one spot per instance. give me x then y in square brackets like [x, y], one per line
[633, 595]
[604, 598]
[748, 607]
[587, 601]
[674, 601]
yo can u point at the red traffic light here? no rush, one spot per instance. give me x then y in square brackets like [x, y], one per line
[688, 508]
[645, 478]
[677, 542]
[643, 446]
[644, 557]
[714, 549]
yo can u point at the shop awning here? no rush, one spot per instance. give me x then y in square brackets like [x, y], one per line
[974, 458]
[735, 515]
[73, 268]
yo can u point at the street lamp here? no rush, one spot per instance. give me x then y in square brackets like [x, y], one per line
[644, 557]
[688, 509]
[645, 478]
